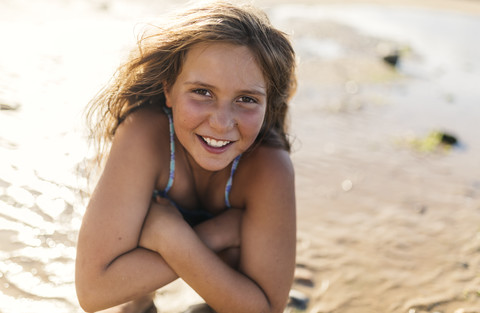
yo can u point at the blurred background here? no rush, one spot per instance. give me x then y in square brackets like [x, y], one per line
[386, 132]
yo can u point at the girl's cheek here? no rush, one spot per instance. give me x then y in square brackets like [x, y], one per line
[255, 118]
[196, 107]
[252, 124]
[190, 110]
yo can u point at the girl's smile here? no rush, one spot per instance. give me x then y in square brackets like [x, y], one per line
[216, 146]
[218, 103]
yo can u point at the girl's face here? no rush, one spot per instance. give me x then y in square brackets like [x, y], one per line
[218, 103]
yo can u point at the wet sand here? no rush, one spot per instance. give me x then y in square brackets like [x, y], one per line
[382, 226]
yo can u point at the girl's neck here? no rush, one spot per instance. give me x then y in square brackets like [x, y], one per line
[201, 176]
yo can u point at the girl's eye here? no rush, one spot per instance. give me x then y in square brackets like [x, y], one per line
[202, 92]
[246, 99]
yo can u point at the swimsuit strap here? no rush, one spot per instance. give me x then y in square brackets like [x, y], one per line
[172, 152]
[228, 187]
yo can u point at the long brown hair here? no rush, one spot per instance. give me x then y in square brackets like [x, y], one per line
[160, 56]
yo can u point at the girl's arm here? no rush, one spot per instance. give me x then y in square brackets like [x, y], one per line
[110, 267]
[268, 242]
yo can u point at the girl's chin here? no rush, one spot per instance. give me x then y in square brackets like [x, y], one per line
[214, 162]
[213, 165]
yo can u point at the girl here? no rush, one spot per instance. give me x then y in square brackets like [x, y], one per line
[198, 183]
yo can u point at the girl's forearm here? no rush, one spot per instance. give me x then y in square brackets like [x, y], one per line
[223, 288]
[129, 276]
[140, 271]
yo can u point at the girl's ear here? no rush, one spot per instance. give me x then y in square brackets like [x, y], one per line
[166, 92]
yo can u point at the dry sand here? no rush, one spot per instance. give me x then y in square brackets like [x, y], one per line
[382, 227]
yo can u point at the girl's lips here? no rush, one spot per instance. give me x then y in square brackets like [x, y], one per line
[214, 145]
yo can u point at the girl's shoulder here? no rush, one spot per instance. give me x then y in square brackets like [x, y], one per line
[147, 126]
[265, 160]
[144, 133]
[265, 170]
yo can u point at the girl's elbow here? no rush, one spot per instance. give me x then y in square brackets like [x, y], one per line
[87, 294]
[277, 305]
[87, 308]
[275, 309]
[89, 301]
[85, 301]
[270, 306]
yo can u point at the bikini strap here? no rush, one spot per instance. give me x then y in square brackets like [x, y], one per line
[172, 151]
[228, 187]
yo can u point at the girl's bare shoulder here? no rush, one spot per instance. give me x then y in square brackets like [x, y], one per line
[266, 161]
[147, 127]
[262, 172]
[144, 136]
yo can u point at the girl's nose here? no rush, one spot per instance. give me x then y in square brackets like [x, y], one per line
[222, 118]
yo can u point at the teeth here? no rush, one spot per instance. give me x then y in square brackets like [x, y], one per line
[215, 143]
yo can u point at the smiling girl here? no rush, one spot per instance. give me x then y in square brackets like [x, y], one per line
[197, 183]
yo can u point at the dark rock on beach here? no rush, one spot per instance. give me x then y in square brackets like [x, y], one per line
[199, 308]
[448, 139]
[298, 300]
[392, 59]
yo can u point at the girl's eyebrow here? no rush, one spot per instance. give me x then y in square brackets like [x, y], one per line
[253, 91]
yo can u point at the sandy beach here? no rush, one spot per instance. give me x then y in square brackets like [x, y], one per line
[388, 215]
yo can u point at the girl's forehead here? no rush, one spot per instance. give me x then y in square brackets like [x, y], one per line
[222, 54]
[222, 63]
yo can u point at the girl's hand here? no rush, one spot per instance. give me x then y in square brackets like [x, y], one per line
[163, 222]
